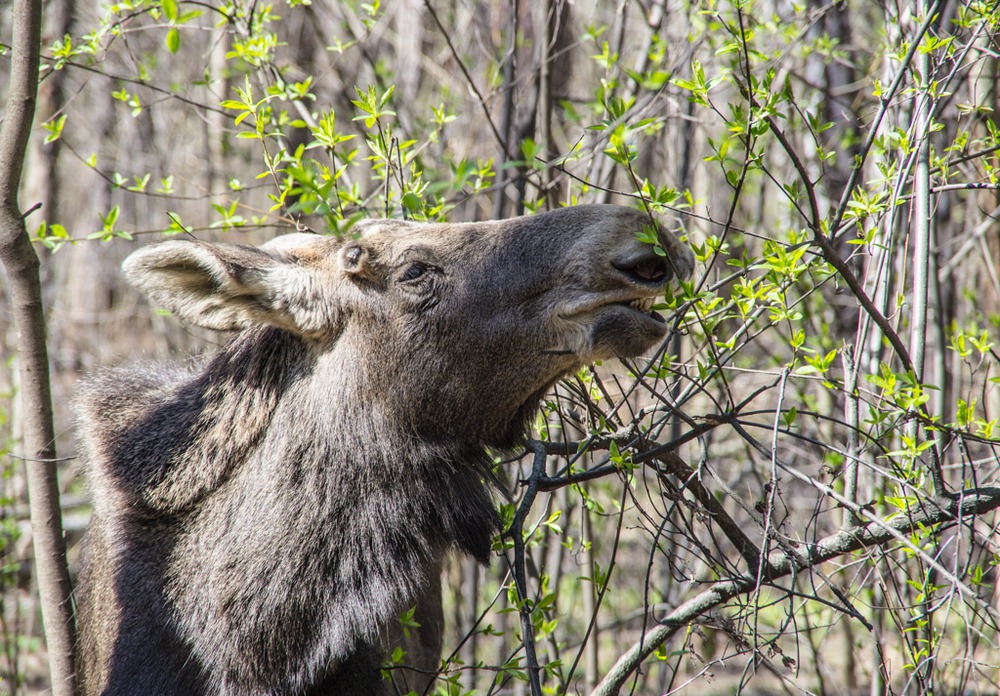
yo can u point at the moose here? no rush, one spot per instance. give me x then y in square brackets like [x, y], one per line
[261, 522]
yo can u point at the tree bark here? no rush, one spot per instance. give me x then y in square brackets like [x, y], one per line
[21, 265]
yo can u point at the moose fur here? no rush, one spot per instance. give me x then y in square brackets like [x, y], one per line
[261, 521]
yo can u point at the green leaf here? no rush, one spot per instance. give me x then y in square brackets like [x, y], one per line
[170, 9]
[54, 128]
[173, 40]
[110, 219]
[411, 202]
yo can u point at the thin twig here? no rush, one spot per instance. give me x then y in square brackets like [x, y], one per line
[501, 140]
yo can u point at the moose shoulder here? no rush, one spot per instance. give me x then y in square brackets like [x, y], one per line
[261, 522]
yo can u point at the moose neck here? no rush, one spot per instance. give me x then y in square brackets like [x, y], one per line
[365, 447]
[275, 405]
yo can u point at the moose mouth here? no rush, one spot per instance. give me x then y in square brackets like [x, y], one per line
[644, 275]
[618, 321]
[639, 307]
[644, 306]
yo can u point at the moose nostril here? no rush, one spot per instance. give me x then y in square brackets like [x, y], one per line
[645, 270]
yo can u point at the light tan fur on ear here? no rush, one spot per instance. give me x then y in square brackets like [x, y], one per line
[230, 287]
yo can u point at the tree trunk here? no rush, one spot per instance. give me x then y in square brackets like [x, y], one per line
[21, 265]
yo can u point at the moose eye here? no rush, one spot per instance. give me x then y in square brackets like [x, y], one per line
[413, 272]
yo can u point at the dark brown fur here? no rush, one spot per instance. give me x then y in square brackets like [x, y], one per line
[261, 522]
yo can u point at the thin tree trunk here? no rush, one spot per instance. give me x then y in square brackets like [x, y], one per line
[546, 39]
[921, 243]
[921, 215]
[507, 115]
[468, 599]
[21, 265]
[591, 655]
[41, 180]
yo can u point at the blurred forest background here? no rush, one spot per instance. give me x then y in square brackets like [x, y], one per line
[796, 494]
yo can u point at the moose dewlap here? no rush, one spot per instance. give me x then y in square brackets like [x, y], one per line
[260, 522]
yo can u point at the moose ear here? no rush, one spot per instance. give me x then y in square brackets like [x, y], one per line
[229, 286]
[355, 259]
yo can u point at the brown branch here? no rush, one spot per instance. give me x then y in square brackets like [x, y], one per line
[833, 258]
[21, 265]
[969, 503]
[671, 463]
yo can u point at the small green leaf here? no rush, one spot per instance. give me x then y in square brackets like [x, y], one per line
[411, 201]
[54, 128]
[170, 9]
[173, 40]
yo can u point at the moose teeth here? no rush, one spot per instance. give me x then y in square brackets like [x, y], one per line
[643, 304]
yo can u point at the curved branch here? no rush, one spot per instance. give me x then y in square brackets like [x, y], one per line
[974, 502]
